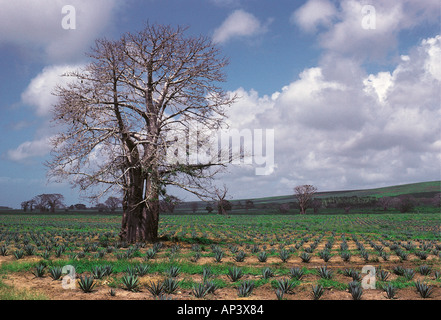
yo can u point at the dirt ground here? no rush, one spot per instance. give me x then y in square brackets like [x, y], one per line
[54, 290]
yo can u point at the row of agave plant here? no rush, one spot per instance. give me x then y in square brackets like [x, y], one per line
[163, 289]
[305, 251]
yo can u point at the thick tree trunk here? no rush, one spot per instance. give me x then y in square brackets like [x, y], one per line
[140, 221]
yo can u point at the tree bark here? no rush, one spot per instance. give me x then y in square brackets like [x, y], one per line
[140, 221]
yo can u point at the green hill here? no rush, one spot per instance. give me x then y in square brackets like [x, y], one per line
[271, 204]
[417, 190]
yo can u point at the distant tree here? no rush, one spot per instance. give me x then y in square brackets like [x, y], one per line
[101, 207]
[54, 201]
[405, 203]
[47, 202]
[304, 194]
[437, 200]
[249, 204]
[25, 205]
[113, 203]
[284, 208]
[316, 204]
[194, 207]
[209, 208]
[79, 206]
[223, 205]
[385, 202]
[168, 203]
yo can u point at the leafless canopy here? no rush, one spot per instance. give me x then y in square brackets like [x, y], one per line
[125, 108]
[304, 194]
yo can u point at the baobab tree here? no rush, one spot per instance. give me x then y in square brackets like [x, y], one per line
[304, 194]
[122, 113]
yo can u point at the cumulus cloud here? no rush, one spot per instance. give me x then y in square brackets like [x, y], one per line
[37, 25]
[30, 149]
[343, 31]
[39, 95]
[377, 129]
[239, 24]
[314, 13]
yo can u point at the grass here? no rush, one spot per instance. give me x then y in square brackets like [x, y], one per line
[10, 293]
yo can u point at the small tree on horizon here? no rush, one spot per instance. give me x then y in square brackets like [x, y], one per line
[304, 194]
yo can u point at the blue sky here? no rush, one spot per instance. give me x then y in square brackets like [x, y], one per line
[352, 107]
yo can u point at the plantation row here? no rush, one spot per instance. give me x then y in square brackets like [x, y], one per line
[213, 257]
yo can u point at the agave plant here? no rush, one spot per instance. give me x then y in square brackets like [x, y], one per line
[234, 274]
[55, 273]
[286, 285]
[409, 274]
[199, 290]
[142, 269]
[305, 257]
[211, 286]
[156, 288]
[421, 254]
[218, 255]
[324, 272]
[284, 255]
[262, 256]
[398, 270]
[383, 275]
[296, 273]
[423, 289]
[267, 273]
[29, 250]
[4, 251]
[424, 270]
[130, 282]
[279, 294]
[173, 271]
[86, 283]
[207, 273]
[245, 288]
[317, 291]
[108, 269]
[390, 291]
[171, 285]
[325, 255]
[39, 270]
[346, 256]
[240, 256]
[98, 272]
[356, 292]
[352, 285]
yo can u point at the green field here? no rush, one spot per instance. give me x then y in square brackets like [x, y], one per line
[249, 256]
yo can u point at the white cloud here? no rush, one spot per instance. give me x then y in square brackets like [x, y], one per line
[343, 31]
[30, 149]
[39, 95]
[313, 14]
[37, 26]
[363, 131]
[239, 24]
